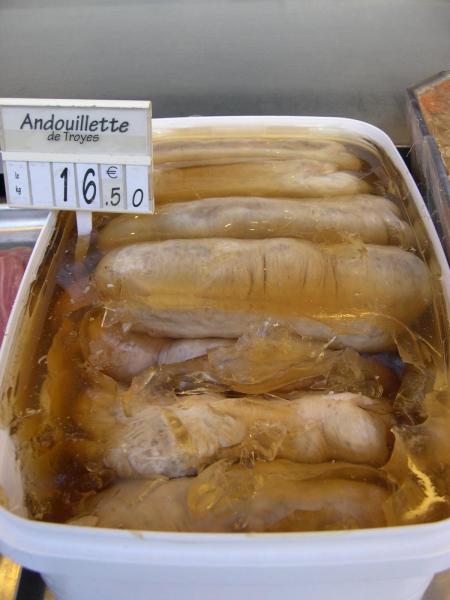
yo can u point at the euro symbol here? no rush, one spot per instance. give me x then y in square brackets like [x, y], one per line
[112, 172]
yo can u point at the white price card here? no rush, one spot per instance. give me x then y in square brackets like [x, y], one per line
[88, 186]
[77, 154]
[64, 185]
[137, 191]
[18, 187]
[113, 189]
[41, 184]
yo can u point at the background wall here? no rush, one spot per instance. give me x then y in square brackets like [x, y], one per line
[350, 58]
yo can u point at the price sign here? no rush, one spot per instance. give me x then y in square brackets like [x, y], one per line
[77, 154]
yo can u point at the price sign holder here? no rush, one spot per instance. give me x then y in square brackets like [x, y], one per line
[79, 155]
[84, 230]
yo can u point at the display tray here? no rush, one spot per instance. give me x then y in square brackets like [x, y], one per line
[428, 120]
[31, 586]
[21, 227]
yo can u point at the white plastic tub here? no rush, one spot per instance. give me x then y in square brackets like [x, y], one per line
[80, 563]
